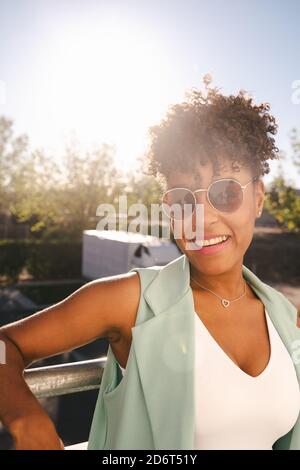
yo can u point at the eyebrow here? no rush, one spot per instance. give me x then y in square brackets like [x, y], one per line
[199, 182]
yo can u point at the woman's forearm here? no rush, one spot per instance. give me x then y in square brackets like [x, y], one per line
[16, 399]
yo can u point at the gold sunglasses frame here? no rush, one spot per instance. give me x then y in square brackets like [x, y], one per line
[255, 178]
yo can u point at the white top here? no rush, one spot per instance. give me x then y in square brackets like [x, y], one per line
[235, 410]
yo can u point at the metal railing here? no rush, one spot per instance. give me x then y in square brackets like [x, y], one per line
[62, 379]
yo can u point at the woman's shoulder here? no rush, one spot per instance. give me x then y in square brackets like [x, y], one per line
[126, 299]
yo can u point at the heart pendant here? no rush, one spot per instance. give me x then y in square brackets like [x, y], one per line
[225, 302]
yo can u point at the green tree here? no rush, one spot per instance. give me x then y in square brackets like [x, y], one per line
[283, 202]
[90, 178]
[282, 199]
[36, 192]
[13, 154]
[60, 200]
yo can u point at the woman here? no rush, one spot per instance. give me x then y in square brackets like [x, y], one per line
[205, 346]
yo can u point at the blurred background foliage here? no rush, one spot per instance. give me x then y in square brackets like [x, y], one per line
[58, 201]
[283, 202]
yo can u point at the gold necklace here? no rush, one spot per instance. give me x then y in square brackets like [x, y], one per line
[224, 302]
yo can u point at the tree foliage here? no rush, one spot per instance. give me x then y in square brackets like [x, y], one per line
[59, 198]
[283, 202]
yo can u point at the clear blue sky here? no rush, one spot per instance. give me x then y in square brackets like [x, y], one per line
[250, 45]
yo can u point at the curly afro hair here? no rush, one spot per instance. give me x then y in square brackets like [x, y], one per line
[209, 126]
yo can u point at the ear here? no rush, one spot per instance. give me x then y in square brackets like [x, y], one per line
[259, 196]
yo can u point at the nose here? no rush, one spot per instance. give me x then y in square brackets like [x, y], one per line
[210, 215]
[202, 198]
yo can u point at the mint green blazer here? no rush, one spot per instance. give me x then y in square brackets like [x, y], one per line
[152, 405]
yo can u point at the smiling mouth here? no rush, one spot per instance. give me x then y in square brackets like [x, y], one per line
[204, 243]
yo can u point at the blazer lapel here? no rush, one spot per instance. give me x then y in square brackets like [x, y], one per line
[164, 352]
[164, 349]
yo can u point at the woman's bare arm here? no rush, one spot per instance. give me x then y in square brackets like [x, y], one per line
[98, 309]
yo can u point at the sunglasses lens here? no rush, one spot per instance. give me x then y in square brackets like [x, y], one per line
[178, 203]
[226, 195]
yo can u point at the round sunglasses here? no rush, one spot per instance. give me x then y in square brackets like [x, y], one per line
[224, 195]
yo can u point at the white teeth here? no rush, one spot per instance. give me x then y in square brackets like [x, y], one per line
[211, 241]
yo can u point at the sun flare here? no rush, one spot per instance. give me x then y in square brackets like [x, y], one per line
[106, 84]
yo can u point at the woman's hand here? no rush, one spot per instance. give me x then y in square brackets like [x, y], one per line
[35, 433]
